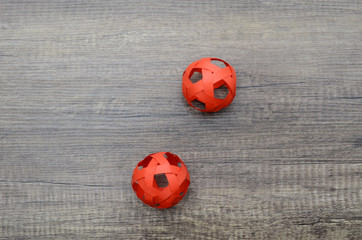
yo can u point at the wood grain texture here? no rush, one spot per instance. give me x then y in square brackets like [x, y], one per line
[89, 88]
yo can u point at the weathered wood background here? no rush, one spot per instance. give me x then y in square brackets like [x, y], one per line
[89, 88]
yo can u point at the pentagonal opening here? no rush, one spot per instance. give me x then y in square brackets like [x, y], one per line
[185, 184]
[144, 163]
[195, 75]
[218, 63]
[197, 104]
[135, 185]
[172, 159]
[161, 180]
[221, 92]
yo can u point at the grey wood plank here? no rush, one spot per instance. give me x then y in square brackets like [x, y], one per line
[89, 88]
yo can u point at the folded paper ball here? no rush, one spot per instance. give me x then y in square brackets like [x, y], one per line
[209, 84]
[160, 180]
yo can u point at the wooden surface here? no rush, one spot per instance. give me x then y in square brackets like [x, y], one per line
[89, 88]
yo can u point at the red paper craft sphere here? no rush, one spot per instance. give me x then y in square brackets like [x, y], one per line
[161, 180]
[213, 77]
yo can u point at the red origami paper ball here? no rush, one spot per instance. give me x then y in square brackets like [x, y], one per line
[203, 79]
[160, 180]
